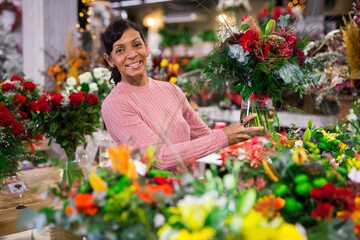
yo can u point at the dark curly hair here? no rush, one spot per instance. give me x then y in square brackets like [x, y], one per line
[113, 33]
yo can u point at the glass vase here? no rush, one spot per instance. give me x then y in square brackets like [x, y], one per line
[70, 170]
[259, 104]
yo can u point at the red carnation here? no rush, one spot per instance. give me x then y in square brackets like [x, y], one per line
[6, 119]
[16, 78]
[328, 190]
[42, 105]
[30, 86]
[76, 98]
[92, 99]
[17, 128]
[317, 193]
[22, 114]
[32, 107]
[322, 210]
[19, 99]
[56, 99]
[7, 87]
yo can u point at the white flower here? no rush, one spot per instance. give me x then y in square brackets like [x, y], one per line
[85, 77]
[71, 81]
[78, 88]
[66, 101]
[105, 77]
[354, 175]
[298, 143]
[100, 72]
[93, 87]
[159, 220]
[351, 117]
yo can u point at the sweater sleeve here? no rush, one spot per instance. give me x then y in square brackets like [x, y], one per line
[197, 126]
[123, 123]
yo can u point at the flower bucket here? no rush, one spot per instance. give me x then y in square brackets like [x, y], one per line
[259, 104]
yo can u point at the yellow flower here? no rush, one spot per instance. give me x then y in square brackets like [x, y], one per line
[329, 136]
[121, 162]
[148, 156]
[288, 232]
[97, 183]
[176, 67]
[300, 156]
[173, 80]
[204, 234]
[170, 65]
[342, 146]
[271, 171]
[193, 216]
[163, 63]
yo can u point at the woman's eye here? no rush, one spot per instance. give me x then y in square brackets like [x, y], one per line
[138, 44]
[119, 50]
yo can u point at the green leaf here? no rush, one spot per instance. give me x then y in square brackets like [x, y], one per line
[291, 73]
[53, 127]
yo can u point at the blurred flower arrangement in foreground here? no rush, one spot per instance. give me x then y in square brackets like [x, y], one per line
[293, 185]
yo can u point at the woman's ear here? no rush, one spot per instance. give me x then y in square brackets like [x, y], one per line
[109, 60]
[147, 47]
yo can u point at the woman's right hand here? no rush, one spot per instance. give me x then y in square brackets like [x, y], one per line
[236, 132]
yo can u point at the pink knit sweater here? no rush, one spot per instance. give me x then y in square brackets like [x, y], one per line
[159, 114]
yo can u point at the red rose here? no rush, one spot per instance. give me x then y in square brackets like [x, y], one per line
[17, 128]
[42, 105]
[56, 99]
[30, 86]
[7, 87]
[23, 115]
[6, 119]
[4, 109]
[92, 99]
[322, 210]
[19, 99]
[32, 107]
[76, 98]
[16, 78]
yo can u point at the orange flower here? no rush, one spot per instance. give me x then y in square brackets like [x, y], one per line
[68, 210]
[269, 205]
[84, 202]
[121, 162]
[136, 186]
[149, 194]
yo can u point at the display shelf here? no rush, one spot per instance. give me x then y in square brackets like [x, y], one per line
[287, 119]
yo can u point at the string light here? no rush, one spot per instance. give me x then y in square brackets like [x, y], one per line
[298, 4]
[77, 25]
[222, 17]
[81, 14]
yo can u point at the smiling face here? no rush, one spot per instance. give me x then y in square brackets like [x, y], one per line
[129, 55]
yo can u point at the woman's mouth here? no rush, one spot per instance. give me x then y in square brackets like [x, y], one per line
[134, 65]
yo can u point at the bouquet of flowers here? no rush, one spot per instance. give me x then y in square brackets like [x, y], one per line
[259, 62]
[15, 122]
[67, 119]
[96, 82]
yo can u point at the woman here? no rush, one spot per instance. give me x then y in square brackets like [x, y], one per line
[141, 111]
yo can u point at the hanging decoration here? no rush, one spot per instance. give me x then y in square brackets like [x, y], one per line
[12, 7]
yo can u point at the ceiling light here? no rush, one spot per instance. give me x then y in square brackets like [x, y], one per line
[156, 1]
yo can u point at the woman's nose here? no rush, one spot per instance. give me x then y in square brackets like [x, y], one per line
[131, 53]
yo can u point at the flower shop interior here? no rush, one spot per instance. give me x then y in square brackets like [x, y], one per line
[295, 63]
